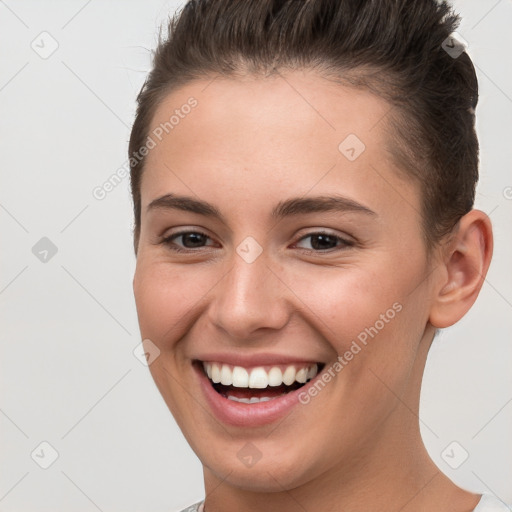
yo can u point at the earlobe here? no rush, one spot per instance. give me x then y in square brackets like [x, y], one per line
[467, 259]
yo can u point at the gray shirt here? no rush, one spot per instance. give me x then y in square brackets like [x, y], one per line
[487, 503]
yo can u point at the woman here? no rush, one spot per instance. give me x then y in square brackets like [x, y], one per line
[303, 176]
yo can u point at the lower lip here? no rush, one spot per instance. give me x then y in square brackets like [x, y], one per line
[248, 415]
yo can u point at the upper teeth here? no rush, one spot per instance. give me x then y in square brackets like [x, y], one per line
[258, 377]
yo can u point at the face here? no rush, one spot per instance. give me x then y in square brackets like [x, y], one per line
[276, 249]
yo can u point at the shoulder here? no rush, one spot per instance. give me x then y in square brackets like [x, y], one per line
[489, 503]
[197, 507]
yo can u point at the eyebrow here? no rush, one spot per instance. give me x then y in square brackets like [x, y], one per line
[287, 208]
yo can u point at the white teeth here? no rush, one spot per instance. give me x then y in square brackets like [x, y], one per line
[252, 400]
[313, 370]
[258, 378]
[289, 375]
[216, 373]
[226, 377]
[302, 375]
[275, 376]
[240, 377]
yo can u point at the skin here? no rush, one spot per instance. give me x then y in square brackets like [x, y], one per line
[249, 144]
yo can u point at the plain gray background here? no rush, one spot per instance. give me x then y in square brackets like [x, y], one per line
[69, 327]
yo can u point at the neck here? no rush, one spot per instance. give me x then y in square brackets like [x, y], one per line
[394, 473]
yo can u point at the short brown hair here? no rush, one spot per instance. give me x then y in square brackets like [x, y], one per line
[393, 48]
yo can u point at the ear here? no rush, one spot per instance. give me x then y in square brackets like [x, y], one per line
[465, 263]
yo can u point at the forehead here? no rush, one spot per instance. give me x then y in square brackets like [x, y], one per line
[294, 106]
[262, 135]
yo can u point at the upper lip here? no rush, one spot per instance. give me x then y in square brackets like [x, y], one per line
[249, 361]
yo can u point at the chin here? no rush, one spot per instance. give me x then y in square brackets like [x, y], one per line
[274, 473]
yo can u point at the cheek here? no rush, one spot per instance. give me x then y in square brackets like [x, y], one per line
[348, 301]
[165, 295]
[371, 319]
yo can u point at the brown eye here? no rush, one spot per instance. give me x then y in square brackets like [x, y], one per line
[193, 239]
[189, 240]
[325, 242]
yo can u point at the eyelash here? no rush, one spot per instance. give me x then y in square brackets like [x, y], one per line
[344, 243]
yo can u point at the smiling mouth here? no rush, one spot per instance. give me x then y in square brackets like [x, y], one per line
[258, 384]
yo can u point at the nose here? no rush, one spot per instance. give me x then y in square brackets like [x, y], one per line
[250, 300]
